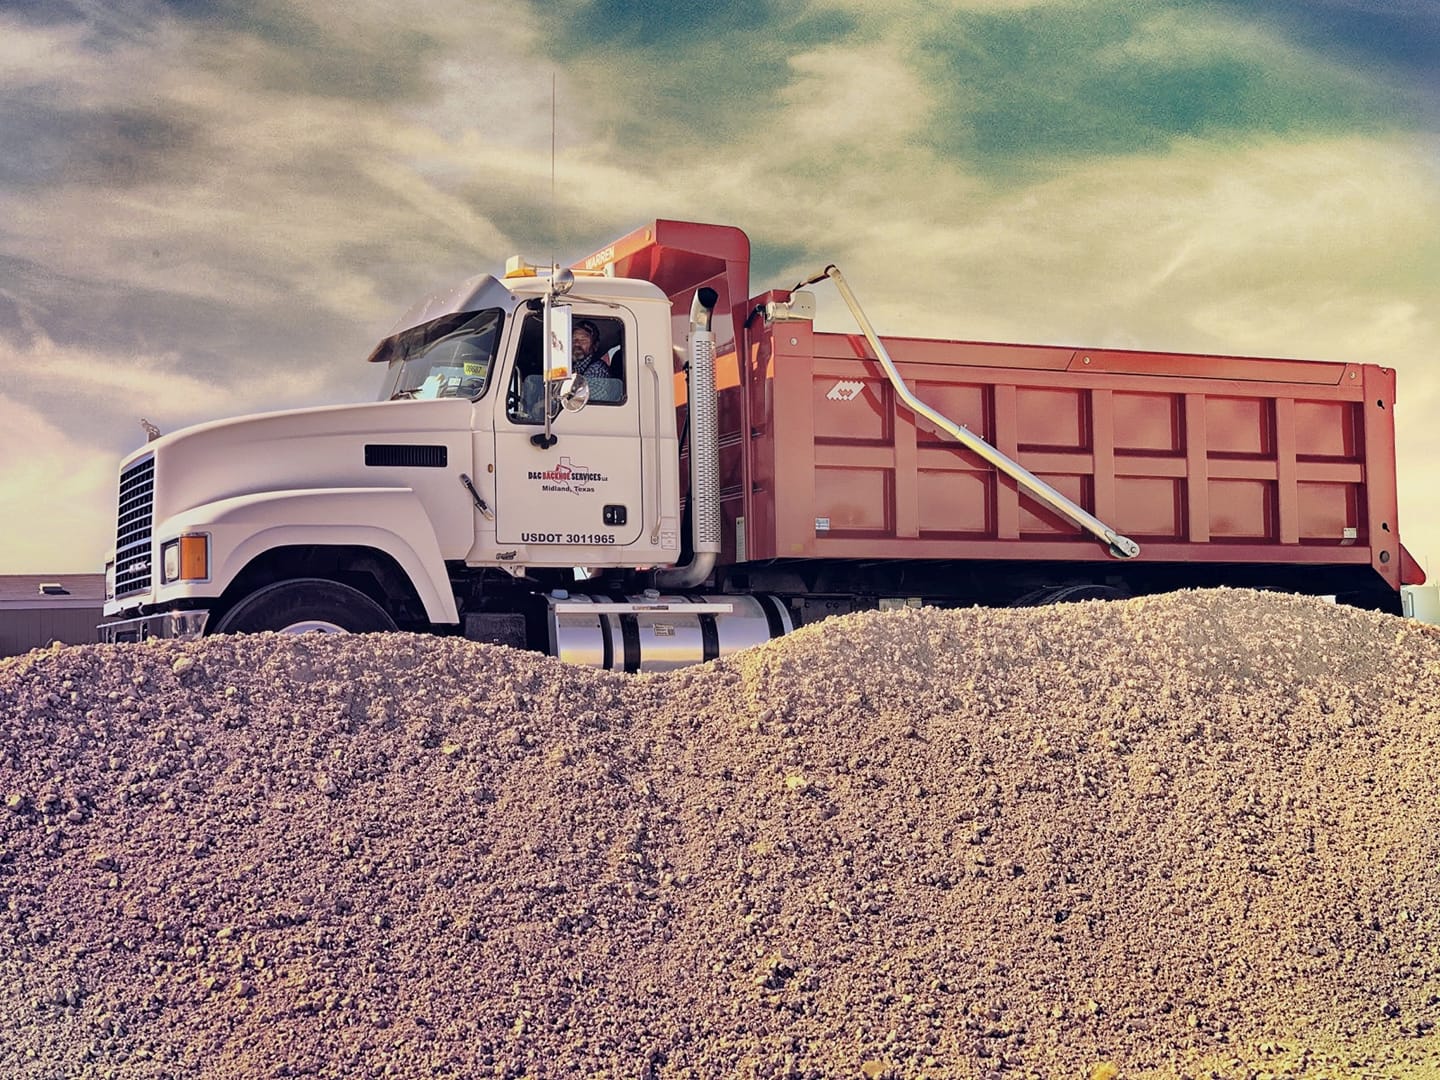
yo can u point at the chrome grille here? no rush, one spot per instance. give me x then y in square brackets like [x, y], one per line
[133, 526]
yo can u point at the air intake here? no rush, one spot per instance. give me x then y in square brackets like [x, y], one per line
[406, 456]
[133, 526]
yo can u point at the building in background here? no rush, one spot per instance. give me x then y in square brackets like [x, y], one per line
[36, 609]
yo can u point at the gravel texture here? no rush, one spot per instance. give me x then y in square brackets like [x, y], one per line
[1195, 835]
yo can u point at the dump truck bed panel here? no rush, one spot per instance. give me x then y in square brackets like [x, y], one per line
[1198, 458]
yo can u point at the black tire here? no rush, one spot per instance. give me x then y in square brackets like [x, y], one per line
[1068, 594]
[1071, 594]
[305, 604]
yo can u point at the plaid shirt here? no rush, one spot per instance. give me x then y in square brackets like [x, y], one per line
[593, 367]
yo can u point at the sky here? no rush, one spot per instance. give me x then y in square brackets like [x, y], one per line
[215, 207]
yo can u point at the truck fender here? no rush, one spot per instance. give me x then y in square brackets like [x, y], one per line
[392, 520]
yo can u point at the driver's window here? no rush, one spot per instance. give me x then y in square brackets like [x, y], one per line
[597, 353]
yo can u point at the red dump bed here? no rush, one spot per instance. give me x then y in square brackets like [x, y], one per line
[1200, 459]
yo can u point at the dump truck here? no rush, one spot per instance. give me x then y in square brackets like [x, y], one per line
[732, 472]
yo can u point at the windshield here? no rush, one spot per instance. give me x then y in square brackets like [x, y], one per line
[450, 357]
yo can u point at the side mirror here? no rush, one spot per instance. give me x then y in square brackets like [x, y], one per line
[574, 392]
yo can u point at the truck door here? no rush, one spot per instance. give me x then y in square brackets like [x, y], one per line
[586, 489]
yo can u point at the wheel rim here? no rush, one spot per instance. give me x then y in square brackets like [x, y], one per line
[313, 626]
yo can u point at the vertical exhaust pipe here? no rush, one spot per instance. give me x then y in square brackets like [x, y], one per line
[704, 449]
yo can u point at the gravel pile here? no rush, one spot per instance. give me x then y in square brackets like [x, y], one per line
[1188, 836]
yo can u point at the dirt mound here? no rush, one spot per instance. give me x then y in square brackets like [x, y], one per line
[1193, 835]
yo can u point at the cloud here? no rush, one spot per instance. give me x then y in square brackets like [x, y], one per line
[154, 385]
[44, 467]
[1402, 36]
[1156, 249]
[37, 56]
[1031, 91]
[104, 394]
[658, 80]
[172, 199]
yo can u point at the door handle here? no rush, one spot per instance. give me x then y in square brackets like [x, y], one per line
[480, 503]
[656, 470]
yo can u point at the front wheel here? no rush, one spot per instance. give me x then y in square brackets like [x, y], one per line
[303, 605]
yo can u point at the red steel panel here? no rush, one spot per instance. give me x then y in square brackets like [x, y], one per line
[1051, 418]
[1151, 507]
[1148, 423]
[955, 504]
[966, 404]
[1327, 510]
[851, 501]
[1327, 429]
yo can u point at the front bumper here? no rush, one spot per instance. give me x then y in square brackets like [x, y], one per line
[169, 624]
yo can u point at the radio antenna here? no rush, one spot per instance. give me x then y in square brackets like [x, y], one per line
[554, 226]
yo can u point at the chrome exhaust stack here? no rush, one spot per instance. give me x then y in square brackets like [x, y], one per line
[704, 449]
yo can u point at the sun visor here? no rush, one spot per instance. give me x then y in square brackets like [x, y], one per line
[474, 294]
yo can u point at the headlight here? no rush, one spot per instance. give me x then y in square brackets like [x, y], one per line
[186, 558]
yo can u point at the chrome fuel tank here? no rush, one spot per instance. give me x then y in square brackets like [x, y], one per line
[660, 632]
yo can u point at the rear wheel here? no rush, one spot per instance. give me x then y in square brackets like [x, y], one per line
[1069, 594]
[305, 605]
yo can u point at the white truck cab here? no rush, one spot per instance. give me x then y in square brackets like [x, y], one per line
[484, 453]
